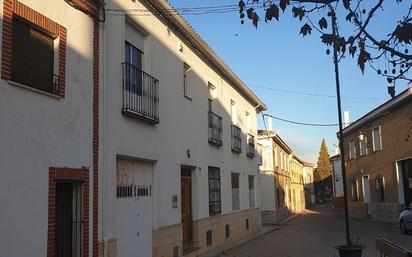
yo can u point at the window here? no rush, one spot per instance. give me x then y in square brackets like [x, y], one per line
[133, 69]
[376, 139]
[251, 180]
[354, 190]
[69, 219]
[281, 160]
[233, 111]
[276, 156]
[209, 238]
[380, 189]
[235, 192]
[247, 224]
[214, 191]
[187, 90]
[363, 150]
[352, 149]
[227, 231]
[33, 56]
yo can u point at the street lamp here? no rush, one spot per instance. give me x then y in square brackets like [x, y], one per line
[349, 249]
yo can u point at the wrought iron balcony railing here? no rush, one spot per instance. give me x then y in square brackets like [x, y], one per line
[236, 139]
[32, 76]
[250, 146]
[215, 129]
[140, 94]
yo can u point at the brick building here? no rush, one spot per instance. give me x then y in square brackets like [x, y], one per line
[378, 156]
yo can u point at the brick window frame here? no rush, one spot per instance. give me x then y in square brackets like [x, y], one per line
[62, 174]
[13, 8]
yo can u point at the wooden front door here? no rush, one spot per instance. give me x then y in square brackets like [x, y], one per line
[186, 201]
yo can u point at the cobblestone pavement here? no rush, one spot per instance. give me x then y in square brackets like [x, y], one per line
[315, 233]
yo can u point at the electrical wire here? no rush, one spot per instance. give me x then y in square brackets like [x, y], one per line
[302, 123]
[314, 94]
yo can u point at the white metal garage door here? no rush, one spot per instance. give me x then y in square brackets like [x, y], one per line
[134, 208]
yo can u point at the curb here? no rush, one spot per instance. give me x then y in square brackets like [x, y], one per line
[216, 253]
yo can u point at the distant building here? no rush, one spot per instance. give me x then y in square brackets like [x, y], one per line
[309, 185]
[337, 180]
[297, 185]
[378, 157]
[275, 180]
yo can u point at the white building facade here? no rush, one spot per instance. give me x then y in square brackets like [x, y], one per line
[48, 129]
[178, 158]
[337, 181]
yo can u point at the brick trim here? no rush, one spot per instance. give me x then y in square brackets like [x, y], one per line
[95, 143]
[59, 174]
[14, 7]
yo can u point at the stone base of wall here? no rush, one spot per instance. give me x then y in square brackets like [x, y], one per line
[274, 216]
[357, 210]
[268, 216]
[165, 240]
[387, 212]
[237, 230]
[282, 213]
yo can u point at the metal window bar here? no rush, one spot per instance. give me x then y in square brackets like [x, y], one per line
[32, 76]
[69, 219]
[140, 94]
[236, 139]
[251, 146]
[215, 129]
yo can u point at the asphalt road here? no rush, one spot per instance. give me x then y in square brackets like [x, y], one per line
[315, 233]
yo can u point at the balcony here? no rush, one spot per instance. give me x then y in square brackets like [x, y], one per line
[35, 77]
[236, 139]
[140, 94]
[250, 146]
[215, 129]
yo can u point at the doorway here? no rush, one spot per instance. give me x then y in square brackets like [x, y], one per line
[406, 168]
[366, 192]
[186, 207]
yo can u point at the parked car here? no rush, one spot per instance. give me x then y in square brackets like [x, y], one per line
[405, 219]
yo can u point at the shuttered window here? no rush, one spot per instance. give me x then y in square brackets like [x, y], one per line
[215, 203]
[33, 56]
[235, 192]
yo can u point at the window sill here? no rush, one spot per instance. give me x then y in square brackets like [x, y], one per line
[10, 82]
[188, 97]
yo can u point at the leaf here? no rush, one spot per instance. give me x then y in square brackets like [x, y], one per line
[283, 4]
[305, 29]
[352, 50]
[363, 57]
[346, 4]
[255, 19]
[249, 13]
[241, 3]
[272, 11]
[241, 6]
[403, 33]
[298, 12]
[323, 24]
[327, 39]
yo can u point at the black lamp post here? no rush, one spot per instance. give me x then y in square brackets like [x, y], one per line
[349, 249]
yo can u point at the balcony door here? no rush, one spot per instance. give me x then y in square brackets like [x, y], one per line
[366, 192]
[406, 169]
[133, 69]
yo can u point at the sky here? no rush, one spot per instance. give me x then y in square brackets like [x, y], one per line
[276, 56]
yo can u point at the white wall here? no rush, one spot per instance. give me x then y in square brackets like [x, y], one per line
[38, 131]
[183, 123]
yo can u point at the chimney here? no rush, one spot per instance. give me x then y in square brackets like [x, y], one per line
[270, 128]
[346, 118]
